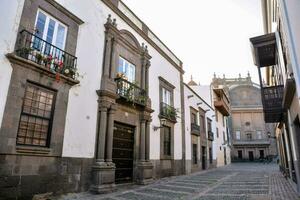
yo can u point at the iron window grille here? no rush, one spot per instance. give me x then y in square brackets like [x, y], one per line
[36, 116]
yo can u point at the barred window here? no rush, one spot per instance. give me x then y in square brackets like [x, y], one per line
[36, 116]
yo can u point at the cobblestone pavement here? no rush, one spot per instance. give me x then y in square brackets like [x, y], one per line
[240, 181]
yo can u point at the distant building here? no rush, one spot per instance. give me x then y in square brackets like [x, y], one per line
[250, 134]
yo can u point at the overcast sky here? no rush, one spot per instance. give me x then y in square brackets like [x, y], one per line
[207, 35]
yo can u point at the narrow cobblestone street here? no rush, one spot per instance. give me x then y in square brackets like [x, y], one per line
[237, 181]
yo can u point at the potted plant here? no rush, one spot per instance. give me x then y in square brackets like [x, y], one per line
[38, 58]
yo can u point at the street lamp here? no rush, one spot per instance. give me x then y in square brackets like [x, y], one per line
[162, 122]
[269, 135]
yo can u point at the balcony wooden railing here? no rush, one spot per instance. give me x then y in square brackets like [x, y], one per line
[210, 135]
[131, 92]
[272, 98]
[35, 49]
[221, 102]
[167, 111]
[195, 129]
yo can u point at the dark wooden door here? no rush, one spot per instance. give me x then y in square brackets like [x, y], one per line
[251, 158]
[203, 152]
[123, 142]
[225, 157]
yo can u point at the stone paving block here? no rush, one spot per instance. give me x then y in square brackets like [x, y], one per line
[225, 197]
[177, 188]
[135, 196]
[162, 193]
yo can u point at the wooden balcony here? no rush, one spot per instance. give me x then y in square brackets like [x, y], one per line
[221, 102]
[272, 98]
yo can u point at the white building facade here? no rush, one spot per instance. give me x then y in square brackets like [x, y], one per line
[87, 89]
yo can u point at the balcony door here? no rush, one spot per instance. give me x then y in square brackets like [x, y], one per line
[50, 36]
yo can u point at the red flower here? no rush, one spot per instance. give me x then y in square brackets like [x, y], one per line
[57, 77]
[60, 64]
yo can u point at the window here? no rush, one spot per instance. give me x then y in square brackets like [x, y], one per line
[259, 135]
[193, 118]
[216, 115]
[249, 136]
[202, 123]
[127, 69]
[217, 130]
[209, 125]
[166, 96]
[51, 30]
[195, 154]
[167, 140]
[36, 116]
[224, 137]
[238, 135]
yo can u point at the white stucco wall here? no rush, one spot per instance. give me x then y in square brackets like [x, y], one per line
[80, 131]
[10, 18]
[205, 94]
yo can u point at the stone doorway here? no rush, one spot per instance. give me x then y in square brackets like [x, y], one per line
[123, 149]
[251, 157]
[203, 150]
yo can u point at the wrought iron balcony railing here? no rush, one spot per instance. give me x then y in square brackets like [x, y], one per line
[195, 129]
[272, 98]
[168, 111]
[131, 92]
[210, 136]
[35, 49]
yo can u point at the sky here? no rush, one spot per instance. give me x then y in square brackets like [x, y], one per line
[206, 35]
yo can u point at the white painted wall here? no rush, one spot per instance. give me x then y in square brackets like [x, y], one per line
[80, 131]
[205, 93]
[9, 22]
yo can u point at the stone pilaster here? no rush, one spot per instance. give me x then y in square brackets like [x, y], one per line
[110, 132]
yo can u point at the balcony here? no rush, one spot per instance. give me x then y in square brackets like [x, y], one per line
[210, 136]
[221, 102]
[272, 98]
[168, 112]
[195, 129]
[48, 56]
[264, 53]
[131, 92]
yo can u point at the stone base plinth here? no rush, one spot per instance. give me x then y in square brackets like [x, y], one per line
[103, 178]
[145, 173]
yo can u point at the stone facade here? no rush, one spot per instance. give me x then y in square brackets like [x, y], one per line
[250, 134]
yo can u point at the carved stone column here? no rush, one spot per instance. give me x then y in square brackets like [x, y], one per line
[101, 135]
[110, 132]
[143, 140]
[147, 153]
[145, 168]
[103, 173]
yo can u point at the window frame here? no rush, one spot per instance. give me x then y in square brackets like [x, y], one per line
[50, 119]
[124, 66]
[238, 138]
[45, 31]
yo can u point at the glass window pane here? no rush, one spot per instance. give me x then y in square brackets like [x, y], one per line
[60, 37]
[50, 31]
[40, 24]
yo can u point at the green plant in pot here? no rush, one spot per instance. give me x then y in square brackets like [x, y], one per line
[39, 57]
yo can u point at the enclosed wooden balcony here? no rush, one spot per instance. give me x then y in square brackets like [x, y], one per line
[265, 57]
[221, 102]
